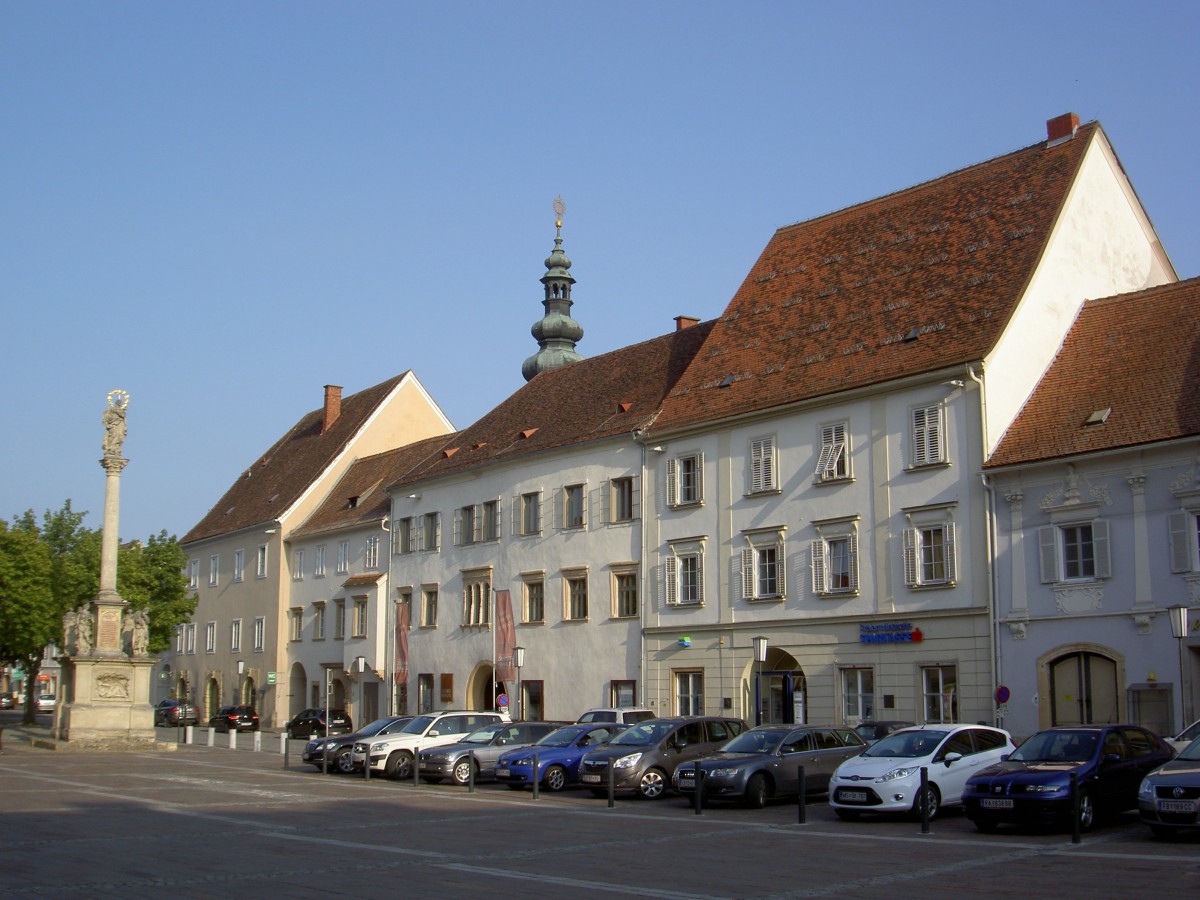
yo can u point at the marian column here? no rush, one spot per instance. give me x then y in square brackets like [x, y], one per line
[109, 606]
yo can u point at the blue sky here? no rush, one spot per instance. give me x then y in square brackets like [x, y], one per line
[221, 207]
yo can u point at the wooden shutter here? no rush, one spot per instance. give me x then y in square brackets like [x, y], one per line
[780, 570]
[1180, 540]
[948, 539]
[700, 578]
[1048, 553]
[1100, 548]
[852, 556]
[911, 545]
[748, 579]
[672, 483]
[671, 581]
[819, 566]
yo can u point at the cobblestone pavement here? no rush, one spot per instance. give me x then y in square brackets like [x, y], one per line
[203, 821]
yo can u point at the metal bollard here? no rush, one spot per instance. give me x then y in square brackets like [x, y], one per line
[471, 773]
[233, 739]
[187, 734]
[698, 780]
[612, 786]
[366, 763]
[924, 800]
[802, 809]
[258, 742]
[212, 737]
[1076, 836]
[536, 778]
[283, 748]
[416, 768]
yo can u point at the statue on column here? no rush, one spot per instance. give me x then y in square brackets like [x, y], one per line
[137, 627]
[114, 424]
[82, 623]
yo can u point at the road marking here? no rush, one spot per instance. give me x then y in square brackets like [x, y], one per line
[578, 883]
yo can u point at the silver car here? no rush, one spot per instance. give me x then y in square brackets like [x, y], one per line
[479, 750]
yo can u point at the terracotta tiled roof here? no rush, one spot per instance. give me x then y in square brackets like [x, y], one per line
[273, 483]
[589, 400]
[829, 304]
[359, 497]
[1136, 355]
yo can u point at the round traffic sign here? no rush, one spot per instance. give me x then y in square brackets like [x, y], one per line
[1002, 694]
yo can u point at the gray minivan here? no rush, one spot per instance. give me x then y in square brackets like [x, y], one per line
[643, 757]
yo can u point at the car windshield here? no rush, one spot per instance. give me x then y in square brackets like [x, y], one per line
[485, 734]
[1057, 746]
[377, 726]
[1190, 733]
[754, 741]
[645, 733]
[907, 744]
[562, 737]
[417, 725]
[1191, 752]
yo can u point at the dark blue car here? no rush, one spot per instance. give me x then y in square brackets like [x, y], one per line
[1033, 786]
[558, 755]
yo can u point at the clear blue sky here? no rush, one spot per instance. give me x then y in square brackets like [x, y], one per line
[221, 207]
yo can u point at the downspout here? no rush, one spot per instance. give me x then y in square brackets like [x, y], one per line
[643, 605]
[990, 530]
[391, 623]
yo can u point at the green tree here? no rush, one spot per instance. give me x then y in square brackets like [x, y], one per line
[28, 616]
[151, 576]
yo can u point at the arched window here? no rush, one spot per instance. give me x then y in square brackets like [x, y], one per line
[1083, 690]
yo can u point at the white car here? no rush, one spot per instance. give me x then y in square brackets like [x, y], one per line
[45, 703]
[392, 754]
[1185, 737]
[886, 777]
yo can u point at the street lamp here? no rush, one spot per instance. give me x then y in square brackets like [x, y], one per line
[1179, 629]
[760, 657]
[518, 661]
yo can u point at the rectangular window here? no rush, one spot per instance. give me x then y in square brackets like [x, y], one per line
[625, 595]
[431, 531]
[239, 565]
[191, 637]
[941, 693]
[529, 513]
[576, 601]
[214, 567]
[763, 473]
[260, 633]
[684, 577]
[476, 602]
[689, 693]
[622, 500]
[210, 637]
[235, 635]
[372, 552]
[929, 555]
[535, 602]
[404, 535]
[1184, 537]
[489, 526]
[928, 445]
[318, 621]
[179, 639]
[685, 482]
[193, 574]
[296, 624]
[622, 693]
[858, 695]
[343, 558]
[762, 567]
[835, 564]
[360, 617]
[339, 620]
[1074, 552]
[429, 603]
[834, 461]
[574, 506]
[261, 568]
[297, 565]
[319, 565]
[465, 526]
[424, 693]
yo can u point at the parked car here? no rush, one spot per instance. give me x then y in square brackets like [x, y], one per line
[45, 703]
[1033, 786]
[392, 754]
[235, 718]
[1185, 737]
[311, 722]
[339, 748]
[7, 700]
[886, 777]
[624, 715]
[874, 731]
[1169, 797]
[558, 755]
[175, 713]
[483, 746]
[643, 756]
[764, 763]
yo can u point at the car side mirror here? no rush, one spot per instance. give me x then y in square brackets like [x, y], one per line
[953, 756]
[680, 743]
[1004, 757]
[1110, 758]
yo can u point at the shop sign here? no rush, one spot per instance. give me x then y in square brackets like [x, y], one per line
[889, 633]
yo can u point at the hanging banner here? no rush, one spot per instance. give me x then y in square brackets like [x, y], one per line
[402, 620]
[506, 637]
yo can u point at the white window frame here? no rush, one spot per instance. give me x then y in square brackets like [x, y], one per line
[372, 552]
[179, 638]
[764, 466]
[193, 574]
[489, 519]
[858, 700]
[319, 621]
[235, 635]
[260, 570]
[832, 537]
[466, 525]
[429, 605]
[1183, 532]
[575, 516]
[319, 563]
[361, 614]
[689, 692]
[680, 491]
[210, 637]
[763, 562]
[682, 559]
[533, 599]
[573, 579]
[833, 462]
[339, 619]
[343, 558]
[296, 624]
[528, 513]
[298, 564]
[431, 531]
[214, 570]
[404, 536]
[938, 699]
[191, 638]
[477, 601]
[1052, 552]
[618, 490]
[918, 547]
[260, 633]
[927, 435]
[239, 565]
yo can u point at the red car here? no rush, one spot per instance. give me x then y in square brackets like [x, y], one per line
[235, 718]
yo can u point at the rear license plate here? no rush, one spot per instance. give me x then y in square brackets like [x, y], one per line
[852, 796]
[1177, 806]
[502, 773]
[992, 803]
[687, 783]
[590, 779]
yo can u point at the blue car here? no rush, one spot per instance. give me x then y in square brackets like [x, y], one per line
[558, 756]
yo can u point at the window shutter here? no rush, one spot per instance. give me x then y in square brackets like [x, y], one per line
[852, 554]
[748, 573]
[672, 483]
[918, 437]
[476, 523]
[910, 557]
[1048, 553]
[515, 516]
[780, 569]
[933, 429]
[699, 477]
[700, 578]
[457, 527]
[637, 496]
[437, 531]
[583, 504]
[609, 505]
[756, 466]
[671, 581]
[818, 566]
[769, 466]
[1180, 540]
[1100, 548]
[951, 569]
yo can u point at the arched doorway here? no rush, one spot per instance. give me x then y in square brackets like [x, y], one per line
[481, 694]
[297, 690]
[1079, 685]
[779, 694]
[247, 698]
[212, 697]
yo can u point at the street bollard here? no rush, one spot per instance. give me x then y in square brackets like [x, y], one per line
[283, 742]
[924, 800]
[233, 739]
[536, 778]
[471, 772]
[212, 737]
[1076, 836]
[188, 735]
[802, 811]
[258, 742]
[698, 780]
[416, 768]
[612, 786]
[366, 763]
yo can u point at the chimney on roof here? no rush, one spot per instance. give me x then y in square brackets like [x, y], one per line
[682, 322]
[1062, 127]
[333, 406]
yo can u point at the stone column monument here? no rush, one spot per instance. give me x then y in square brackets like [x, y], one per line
[106, 671]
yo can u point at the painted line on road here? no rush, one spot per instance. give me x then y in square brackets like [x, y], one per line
[359, 845]
[582, 884]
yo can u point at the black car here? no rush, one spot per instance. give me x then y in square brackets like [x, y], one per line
[1033, 786]
[311, 722]
[764, 763]
[174, 713]
[338, 748]
[235, 718]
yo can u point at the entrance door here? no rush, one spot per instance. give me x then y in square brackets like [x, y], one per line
[1083, 690]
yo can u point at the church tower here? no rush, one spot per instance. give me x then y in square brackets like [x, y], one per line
[556, 332]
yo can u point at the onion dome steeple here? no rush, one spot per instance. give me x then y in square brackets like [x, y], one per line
[556, 332]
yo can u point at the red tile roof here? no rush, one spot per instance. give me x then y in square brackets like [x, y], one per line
[1137, 355]
[835, 303]
[277, 479]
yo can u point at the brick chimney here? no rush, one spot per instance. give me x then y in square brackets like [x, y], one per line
[333, 406]
[1061, 127]
[682, 322]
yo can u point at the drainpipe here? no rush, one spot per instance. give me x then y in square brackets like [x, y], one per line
[990, 531]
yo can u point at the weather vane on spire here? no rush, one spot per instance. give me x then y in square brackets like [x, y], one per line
[559, 209]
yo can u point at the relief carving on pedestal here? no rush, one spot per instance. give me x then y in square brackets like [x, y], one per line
[112, 686]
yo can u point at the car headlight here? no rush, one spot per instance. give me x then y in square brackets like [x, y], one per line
[1146, 790]
[523, 761]
[329, 745]
[1044, 788]
[902, 772]
[627, 762]
[721, 773]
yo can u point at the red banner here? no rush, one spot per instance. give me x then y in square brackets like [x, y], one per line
[403, 615]
[506, 637]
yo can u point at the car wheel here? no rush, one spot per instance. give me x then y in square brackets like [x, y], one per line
[555, 778]
[847, 815]
[1087, 811]
[399, 764]
[933, 802]
[1162, 832]
[652, 785]
[756, 791]
[343, 761]
[462, 770]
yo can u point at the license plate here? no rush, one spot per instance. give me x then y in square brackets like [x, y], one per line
[993, 803]
[687, 782]
[852, 796]
[1176, 806]
[590, 779]
[502, 773]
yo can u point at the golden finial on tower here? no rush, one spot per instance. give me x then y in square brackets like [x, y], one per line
[559, 209]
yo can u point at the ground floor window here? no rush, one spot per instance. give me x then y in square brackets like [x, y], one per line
[689, 693]
[941, 693]
[533, 703]
[424, 693]
[1083, 690]
[858, 694]
[623, 693]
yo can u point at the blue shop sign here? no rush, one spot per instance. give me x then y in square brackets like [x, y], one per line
[889, 633]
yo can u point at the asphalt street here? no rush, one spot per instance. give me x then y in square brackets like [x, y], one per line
[202, 821]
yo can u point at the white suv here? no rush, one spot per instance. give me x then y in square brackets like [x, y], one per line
[393, 754]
